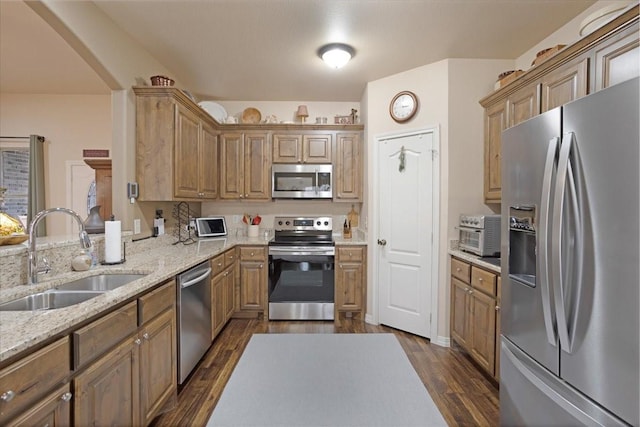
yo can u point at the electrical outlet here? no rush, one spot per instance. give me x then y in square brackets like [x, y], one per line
[136, 226]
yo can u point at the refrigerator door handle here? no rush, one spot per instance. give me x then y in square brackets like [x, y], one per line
[542, 244]
[559, 287]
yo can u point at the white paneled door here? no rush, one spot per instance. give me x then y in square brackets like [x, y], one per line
[408, 197]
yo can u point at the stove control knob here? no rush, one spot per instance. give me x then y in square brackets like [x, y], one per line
[318, 223]
[326, 223]
[279, 222]
[287, 223]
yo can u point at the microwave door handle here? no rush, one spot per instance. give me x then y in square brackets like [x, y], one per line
[543, 245]
[317, 186]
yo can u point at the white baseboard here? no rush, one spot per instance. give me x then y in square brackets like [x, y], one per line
[442, 341]
[369, 319]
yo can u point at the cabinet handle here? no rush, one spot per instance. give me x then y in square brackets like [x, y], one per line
[251, 253]
[242, 196]
[66, 397]
[480, 279]
[145, 336]
[470, 291]
[246, 195]
[466, 290]
[261, 265]
[138, 341]
[7, 396]
[219, 264]
[458, 269]
[497, 308]
[341, 265]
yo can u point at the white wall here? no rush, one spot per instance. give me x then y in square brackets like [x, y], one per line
[286, 110]
[70, 123]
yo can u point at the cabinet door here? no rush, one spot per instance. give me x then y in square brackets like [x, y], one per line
[459, 312]
[208, 163]
[348, 173]
[229, 280]
[252, 285]
[231, 165]
[257, 167]
[564, 84]
[158, 364]
[495, 123]
[52, 411]
[498, 329]
[186, 149]
[483, 329]
[349, 286]
[523, 104]
[287, 148]
[316, 148]
[217, 304]
[616, 59]
[108, 392]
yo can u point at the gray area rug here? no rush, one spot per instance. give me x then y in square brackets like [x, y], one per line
[325, 380]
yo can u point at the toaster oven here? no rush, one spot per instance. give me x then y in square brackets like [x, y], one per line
[480, 234]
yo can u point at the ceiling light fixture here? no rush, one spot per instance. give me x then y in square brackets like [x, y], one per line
[336, 55]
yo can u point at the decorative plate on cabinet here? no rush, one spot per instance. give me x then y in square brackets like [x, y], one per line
[214, 109]
[251, 115]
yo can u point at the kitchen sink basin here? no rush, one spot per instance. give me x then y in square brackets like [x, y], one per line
[100, 282]
[48, 300]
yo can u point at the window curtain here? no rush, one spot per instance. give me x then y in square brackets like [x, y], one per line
[36, 181]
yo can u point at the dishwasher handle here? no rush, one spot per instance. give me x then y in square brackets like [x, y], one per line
[196, 280]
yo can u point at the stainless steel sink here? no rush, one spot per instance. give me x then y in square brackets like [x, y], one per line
[100, 282]
[48, 300]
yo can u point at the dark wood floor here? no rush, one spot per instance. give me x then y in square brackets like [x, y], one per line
[464, 396]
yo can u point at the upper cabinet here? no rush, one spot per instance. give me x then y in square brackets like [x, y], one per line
[607, 56]
[310, 147]
[348, 167]
[176, 147]
[245, 166]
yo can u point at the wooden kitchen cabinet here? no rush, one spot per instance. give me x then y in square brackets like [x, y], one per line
[253, 281]
[498, 328]
[350, 281]
[308, 147]
[564, 84]
[53, 411]
[222, 290]
[495, 121]
[176, 147]
[128, 384]
[473, 312]
[245, 166]
[348, 167]
[25, 383]
[607, 56]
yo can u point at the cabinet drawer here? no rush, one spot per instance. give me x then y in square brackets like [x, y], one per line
[252, 253]
[461, 270]
[229, 257]
[32, 377]
[483, 280]
[217, 265]
[157, 301]
[351, 254]
[91, 341]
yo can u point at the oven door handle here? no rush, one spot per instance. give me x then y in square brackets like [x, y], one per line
[301, 251]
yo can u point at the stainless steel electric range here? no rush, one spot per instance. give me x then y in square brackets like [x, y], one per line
[301, 269]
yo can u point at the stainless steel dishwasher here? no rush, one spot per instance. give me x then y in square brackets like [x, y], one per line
[194, 317]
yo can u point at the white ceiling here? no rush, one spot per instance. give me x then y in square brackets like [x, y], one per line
[265, 50]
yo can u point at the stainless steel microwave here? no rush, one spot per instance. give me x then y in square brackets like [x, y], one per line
[291, 181]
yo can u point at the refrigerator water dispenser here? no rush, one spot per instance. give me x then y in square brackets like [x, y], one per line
[522, 243]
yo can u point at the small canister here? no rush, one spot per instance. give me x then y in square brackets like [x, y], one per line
[82, 262]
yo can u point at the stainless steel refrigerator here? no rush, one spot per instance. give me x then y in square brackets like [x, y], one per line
[570, 264]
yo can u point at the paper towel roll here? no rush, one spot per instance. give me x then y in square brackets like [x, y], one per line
[112, 241]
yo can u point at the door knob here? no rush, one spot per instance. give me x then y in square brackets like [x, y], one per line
[382, 242]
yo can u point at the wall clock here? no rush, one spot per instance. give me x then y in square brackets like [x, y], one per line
[403, 106]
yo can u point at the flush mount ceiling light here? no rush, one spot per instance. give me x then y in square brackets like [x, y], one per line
[336, 55]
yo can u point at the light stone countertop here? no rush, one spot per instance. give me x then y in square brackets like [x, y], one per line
[474, 259]
[20, 330]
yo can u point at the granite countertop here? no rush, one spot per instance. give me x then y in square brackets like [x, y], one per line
[474, 259]
[20, 330]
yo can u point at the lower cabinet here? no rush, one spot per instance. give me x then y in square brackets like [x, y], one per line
[350, 280]
[222, 290]
[130, 383]
[253, 281]
[54, 411]
[473, 312]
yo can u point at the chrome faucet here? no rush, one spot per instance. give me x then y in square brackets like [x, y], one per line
[32, 264]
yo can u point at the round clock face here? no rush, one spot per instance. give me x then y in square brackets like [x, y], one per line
[403, 106]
